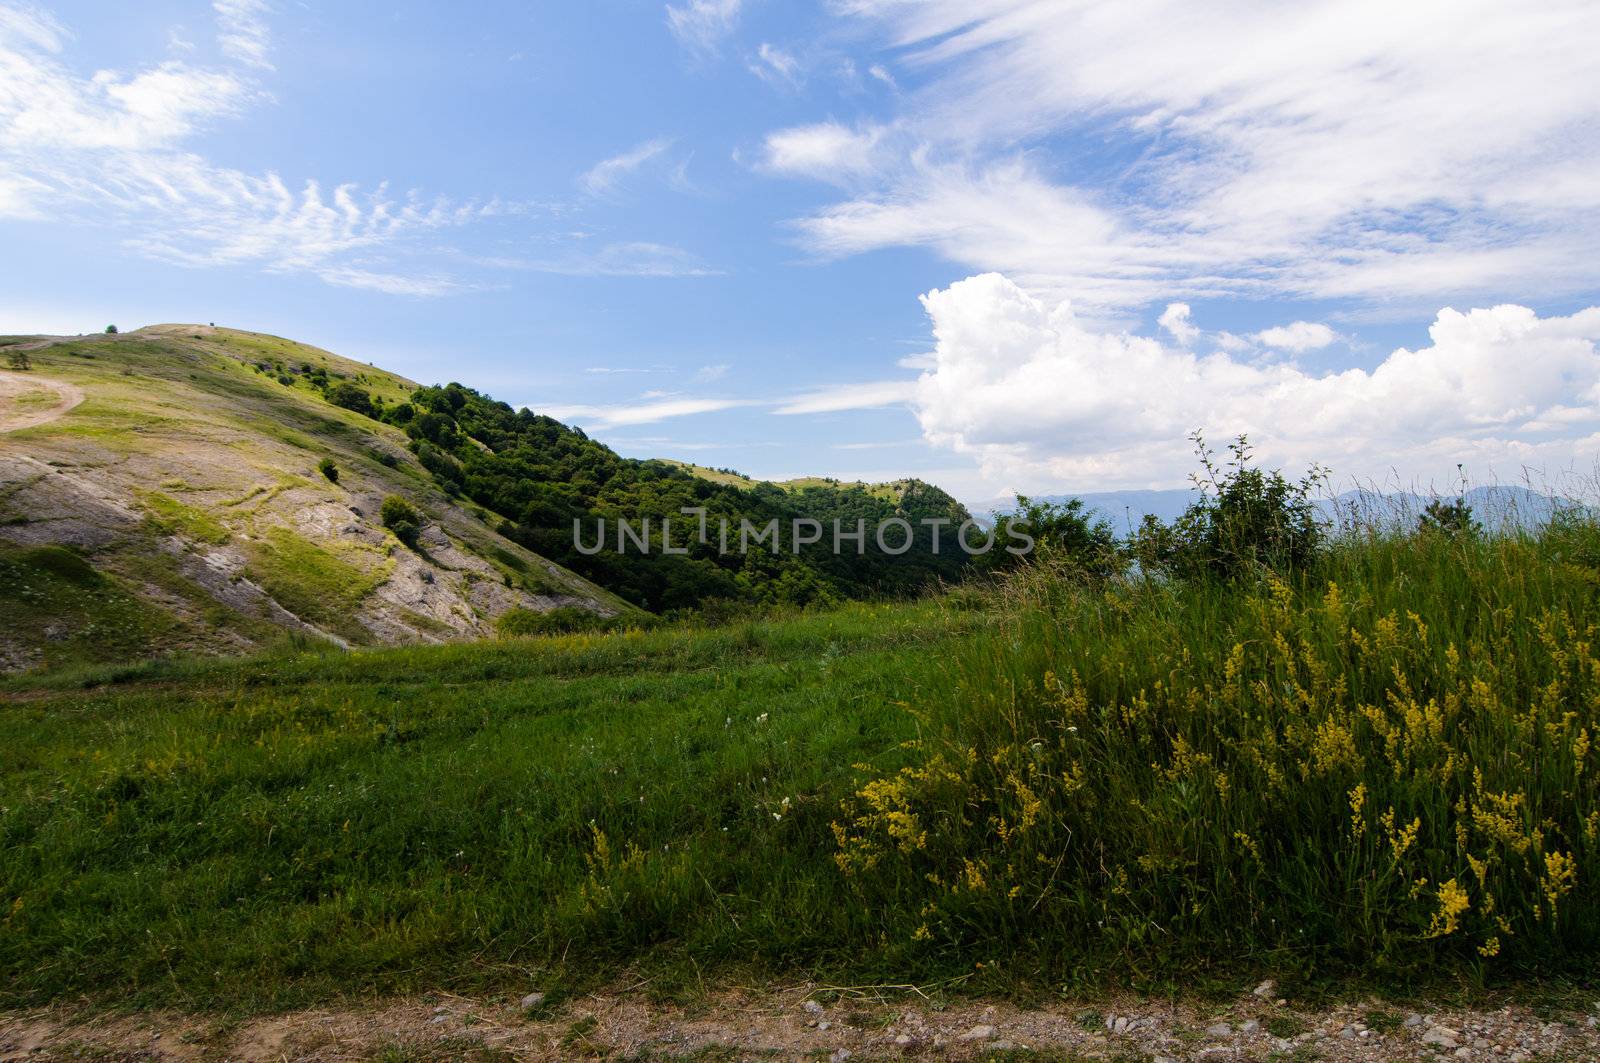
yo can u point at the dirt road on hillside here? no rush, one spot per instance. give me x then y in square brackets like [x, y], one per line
[27, 400]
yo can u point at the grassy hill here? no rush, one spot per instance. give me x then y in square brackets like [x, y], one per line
[160, 490]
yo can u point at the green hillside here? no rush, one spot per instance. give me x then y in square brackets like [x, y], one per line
[163, 490]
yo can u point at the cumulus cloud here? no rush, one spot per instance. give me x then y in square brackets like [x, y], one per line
[1331, 149]
[1297, 336]
[1046, 401]
[1175, 320]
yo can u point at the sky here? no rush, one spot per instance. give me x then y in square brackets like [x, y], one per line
[1002, 245]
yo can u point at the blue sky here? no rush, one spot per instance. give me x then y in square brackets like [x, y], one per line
[702, 229]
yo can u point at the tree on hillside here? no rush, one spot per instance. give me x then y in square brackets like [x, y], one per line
[111, 330]
[19, 360]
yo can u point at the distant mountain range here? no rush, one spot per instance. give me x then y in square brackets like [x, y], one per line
[1497, 508]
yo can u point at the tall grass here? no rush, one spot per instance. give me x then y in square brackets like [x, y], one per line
[1380, 765]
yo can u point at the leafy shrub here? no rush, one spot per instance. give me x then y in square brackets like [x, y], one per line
[19, 360]
[111, 330]
[1451, 519]
[350, 397]
[401, 518]
[327, 468]
[1246, 520]
[559, 621]
[1065, 533]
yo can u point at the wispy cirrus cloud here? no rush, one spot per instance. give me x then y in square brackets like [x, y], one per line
[871, 395]
[702, 25]
[242, 31]
[607, 176]
[1328, 150]
[636, 258]
[108, 149]
[620, 415]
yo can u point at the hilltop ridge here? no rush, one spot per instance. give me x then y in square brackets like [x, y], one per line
[160, 490]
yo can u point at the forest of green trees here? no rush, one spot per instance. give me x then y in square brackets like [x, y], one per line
[540, 476]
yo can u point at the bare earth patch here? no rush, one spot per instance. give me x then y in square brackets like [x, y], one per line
[809, 1022]
[27, 400]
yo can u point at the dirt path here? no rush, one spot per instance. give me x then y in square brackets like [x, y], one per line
[27, 400]
[817, 1023]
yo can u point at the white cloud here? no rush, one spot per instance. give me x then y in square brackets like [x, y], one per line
[107, 150]
[774, 65]
[1297, 336]
[868, 396]
[826, 151]
[1337, 148]
[242, 31]
[605, 176]
[1046, 402]
[703, 24]
[1175, 319]
[624, 414]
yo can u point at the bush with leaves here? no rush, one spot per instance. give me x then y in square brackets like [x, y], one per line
[401, 518]
[111, 330]
[1450, 519]
[327, 468]
[354, 398]
[19, 360]
[1245, 520]
[1067, 534]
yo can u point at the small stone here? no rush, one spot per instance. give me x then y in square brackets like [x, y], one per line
[904, 1039]
[1003, 1046]
[1121, 1025]
[532, 1000]
[1348, 1033]
[439, 1010]
[1442, 1036]
[437, 1019]
[980, 1032]
[1162, 1059]
[1266, 989]
[1463, 1052]
[811, 1007]
[840, 1055]
[1251, 1026]
[1413, 1019]
[1220, 1029]
[824, 1024]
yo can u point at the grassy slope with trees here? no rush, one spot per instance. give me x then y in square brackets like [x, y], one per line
[1257, 751]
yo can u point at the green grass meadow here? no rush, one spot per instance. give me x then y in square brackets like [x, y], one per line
[281, 829]
[1378, 768]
